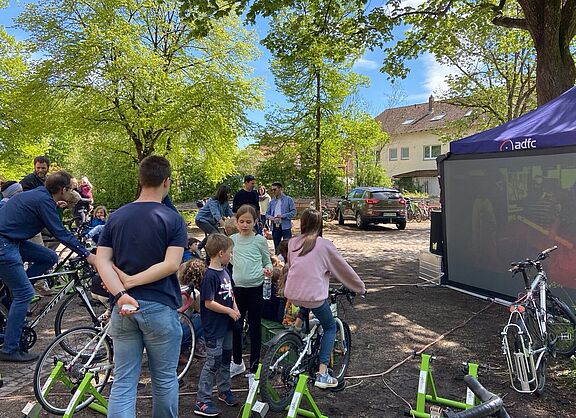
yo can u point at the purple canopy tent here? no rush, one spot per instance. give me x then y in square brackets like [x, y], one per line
[551, 125]
[507, 194]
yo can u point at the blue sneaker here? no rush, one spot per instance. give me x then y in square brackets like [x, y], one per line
[324, 381]
[206, 409]
[228, 398]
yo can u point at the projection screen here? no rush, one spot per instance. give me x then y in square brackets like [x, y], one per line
[499, 208]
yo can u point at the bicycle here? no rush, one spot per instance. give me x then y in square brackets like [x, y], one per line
[540, 326]
[76, 293]
[289, 354]
[68, 359]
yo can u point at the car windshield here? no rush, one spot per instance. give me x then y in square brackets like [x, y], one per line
[386, 195]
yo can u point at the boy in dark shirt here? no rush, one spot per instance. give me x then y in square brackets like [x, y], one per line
[218, 311]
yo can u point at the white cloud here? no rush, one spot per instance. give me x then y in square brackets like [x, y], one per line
[364, 64]
[435, 74]
[412, 3]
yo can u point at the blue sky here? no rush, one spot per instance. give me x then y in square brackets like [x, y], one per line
[426, 76]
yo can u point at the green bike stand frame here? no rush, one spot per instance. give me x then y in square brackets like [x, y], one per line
[301, 392]
[33, 409]
[294, 410]
[427, 391]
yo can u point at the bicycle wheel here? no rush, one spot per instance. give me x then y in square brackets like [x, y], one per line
[74, 349]
[277, 384]
[340, 357]
[538, 342]
[186, 347]
[561, 327]
[74, 313]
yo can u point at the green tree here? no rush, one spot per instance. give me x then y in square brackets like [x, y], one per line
[313, 45]
[551, 24]
[19, 140]
[134, 67]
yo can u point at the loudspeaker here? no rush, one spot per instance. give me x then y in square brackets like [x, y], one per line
[436, 238]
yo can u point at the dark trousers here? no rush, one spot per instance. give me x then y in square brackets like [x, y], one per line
[249, 301]
[208, 229]
[278, 234]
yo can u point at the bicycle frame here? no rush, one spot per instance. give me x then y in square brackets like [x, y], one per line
[524, 361]
[74, 283]
[307, 340]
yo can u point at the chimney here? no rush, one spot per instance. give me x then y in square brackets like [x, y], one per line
[430, 104]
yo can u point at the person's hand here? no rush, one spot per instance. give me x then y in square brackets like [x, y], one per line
[124, 278]
[267, 272]
[62, 204]
[91, 259]
[124, 300]
[235, 314]
[221, 223]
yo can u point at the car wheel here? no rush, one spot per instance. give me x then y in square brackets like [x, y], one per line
[340, 218]
[359, 221]
[401, 225]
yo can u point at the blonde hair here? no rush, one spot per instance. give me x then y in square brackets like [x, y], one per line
[191, 272]
[217, 242]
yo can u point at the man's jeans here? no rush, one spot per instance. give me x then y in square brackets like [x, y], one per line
[155, 327]
[13, 254]
[218, 355]
[278, 234]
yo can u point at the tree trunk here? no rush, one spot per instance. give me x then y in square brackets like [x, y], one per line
[551, 25]
[318, 193]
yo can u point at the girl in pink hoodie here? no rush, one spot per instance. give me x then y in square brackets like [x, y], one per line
[312, 259]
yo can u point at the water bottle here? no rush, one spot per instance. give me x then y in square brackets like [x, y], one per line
[267, 288]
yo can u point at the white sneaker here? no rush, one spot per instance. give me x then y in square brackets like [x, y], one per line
[250, 377]
[236, 369]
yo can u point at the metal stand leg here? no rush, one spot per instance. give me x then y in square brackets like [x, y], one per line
[302, 392]
[427, 391]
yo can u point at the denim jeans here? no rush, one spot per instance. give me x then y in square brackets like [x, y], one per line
[155, 327]
[278, 234]
[218, 356]
[324, 315]
[13, 254]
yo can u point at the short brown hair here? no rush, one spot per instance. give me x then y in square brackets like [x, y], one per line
[216, 243]
[153, 171]
[55, 182]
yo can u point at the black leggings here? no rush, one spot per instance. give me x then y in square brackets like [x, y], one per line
[249, 301]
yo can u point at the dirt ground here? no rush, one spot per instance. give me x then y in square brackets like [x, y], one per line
[401, 315]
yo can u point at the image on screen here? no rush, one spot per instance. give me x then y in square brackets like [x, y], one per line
[500, 210]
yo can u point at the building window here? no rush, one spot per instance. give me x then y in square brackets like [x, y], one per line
[405, 153]
[432, 151]
[393, 154]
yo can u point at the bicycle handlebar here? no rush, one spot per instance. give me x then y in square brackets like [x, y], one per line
[491, 403]
[522, 265]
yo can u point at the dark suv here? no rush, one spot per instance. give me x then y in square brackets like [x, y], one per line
[373, 205]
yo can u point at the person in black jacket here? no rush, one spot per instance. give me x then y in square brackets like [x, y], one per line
[38, 176]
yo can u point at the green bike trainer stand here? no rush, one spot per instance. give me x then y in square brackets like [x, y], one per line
[294, 410]
[426, 382]
[85, 388]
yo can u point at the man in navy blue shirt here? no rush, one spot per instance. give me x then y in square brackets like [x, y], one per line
[139, 252]
[22, 217]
